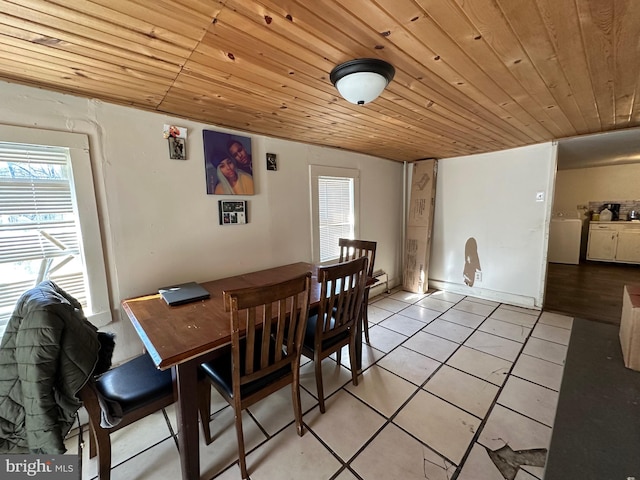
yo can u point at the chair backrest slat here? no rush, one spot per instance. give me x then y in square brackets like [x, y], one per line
[279, 330]
[266, 335]
[250, 328]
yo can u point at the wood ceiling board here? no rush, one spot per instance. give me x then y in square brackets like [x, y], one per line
[319, 44]
[44, 56]
[524, 18]
[96, 18]
[116, 77]
[563, 27]
[119, 44]
[501, 89]
[66, 84]
[91, 50]
[153, 18]
[517, 84]
[79, 56]
[596, 19]
[627, 68]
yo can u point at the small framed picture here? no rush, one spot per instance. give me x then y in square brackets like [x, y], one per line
[177, 148]
[232, 212]
[272, 163]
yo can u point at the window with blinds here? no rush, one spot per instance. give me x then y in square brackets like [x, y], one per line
[335, 203]
[39, 230]
[335, 194]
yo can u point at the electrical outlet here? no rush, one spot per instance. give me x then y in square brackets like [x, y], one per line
[478, 276]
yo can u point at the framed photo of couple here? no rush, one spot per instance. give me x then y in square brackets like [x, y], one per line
[228, 164]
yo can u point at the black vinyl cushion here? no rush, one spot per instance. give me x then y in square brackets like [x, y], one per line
[135, 383]
[310, 335]
[220, 372]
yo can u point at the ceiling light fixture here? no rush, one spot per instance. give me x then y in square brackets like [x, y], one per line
[362, 80]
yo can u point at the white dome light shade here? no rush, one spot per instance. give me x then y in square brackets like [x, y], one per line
[361, 87]
[361, 81]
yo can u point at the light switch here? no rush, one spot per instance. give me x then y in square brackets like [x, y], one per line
[540, 197]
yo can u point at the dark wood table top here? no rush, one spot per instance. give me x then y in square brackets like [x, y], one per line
[173, 335]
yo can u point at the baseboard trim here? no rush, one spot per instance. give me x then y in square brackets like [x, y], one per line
[485, 293]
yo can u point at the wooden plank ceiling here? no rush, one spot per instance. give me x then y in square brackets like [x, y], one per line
[471, 75]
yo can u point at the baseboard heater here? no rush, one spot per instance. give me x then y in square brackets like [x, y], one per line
[378, 275]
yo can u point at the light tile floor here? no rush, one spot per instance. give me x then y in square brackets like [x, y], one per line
[451, 385]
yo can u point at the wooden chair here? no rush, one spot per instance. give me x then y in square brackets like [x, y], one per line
[138, 387]
[350, 249]
[267, 328]
[334, 325]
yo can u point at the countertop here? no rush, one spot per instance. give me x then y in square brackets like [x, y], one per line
[630, 222]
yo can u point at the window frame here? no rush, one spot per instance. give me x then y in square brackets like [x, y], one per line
[315, 172]
[98, 311]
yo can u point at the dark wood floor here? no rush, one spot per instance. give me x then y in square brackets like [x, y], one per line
[591, 290]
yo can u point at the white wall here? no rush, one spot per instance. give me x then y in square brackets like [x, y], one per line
[583, 185]
[492, 198]
[160, 226]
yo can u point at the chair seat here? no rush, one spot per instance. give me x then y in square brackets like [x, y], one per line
[310, 335]
[220, 371]
[135, 383]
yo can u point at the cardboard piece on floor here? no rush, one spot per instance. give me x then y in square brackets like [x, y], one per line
[630, 327]
[419, 226]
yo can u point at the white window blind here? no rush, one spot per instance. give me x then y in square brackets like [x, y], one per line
[39, 229]
[335, 203]
[334, 209]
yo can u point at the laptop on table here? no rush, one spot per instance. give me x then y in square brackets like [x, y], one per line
[184, 293]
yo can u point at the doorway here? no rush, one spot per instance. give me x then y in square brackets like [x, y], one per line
[594, 168]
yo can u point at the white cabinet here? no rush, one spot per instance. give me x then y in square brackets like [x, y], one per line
[602, 242]
[614, 242]
[628, 247]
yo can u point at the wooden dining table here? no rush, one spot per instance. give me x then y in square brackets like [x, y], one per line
[182, 337]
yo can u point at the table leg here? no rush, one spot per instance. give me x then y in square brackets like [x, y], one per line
[186, 381]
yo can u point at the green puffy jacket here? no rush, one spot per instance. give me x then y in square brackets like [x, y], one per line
[47, 354]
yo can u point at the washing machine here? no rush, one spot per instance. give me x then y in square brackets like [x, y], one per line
[564, 240]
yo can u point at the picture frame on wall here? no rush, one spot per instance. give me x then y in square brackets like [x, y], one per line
[177, 148]
[228, 164]
[272, 162]
[232, 212]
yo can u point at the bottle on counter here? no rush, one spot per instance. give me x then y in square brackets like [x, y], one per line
[605, 215]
